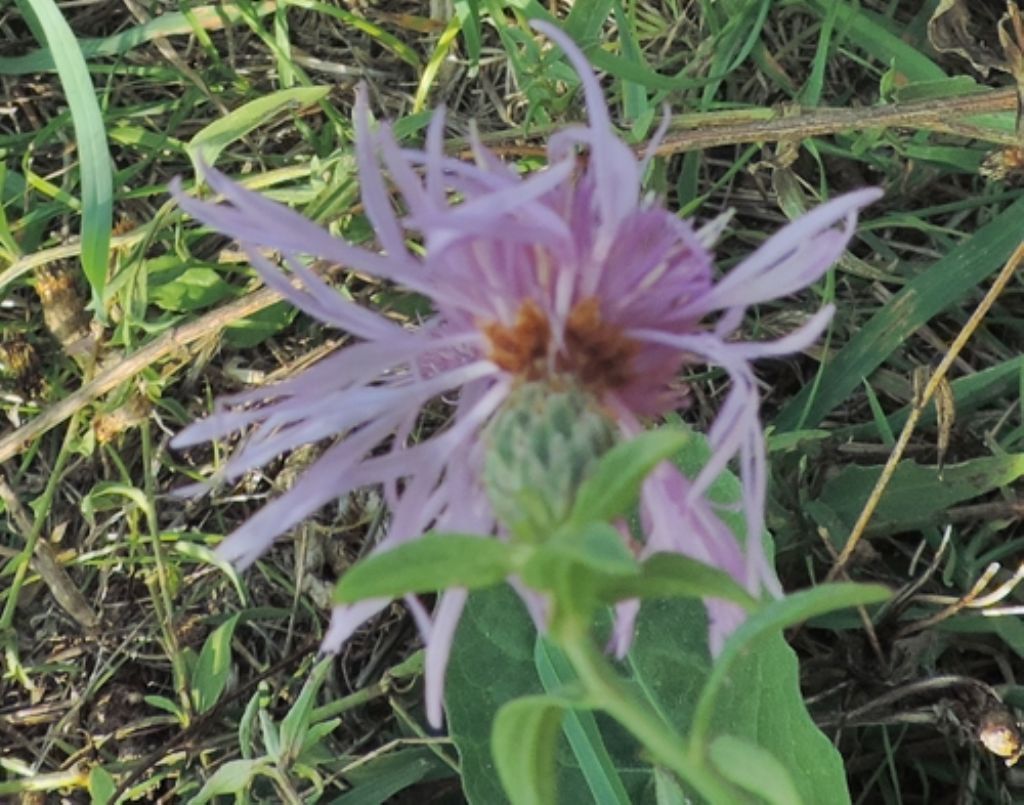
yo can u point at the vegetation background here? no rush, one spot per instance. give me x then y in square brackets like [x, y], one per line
[135, 664]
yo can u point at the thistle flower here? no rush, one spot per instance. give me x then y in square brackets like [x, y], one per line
[568, 275]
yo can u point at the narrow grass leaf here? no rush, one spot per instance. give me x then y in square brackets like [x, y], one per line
[374, 31]
[468, 12]
[948, 281]
[581, 729]
[209, 17]
[210, 140]
[444, 44]
[97, 189]
[869, 32]
[296, 724]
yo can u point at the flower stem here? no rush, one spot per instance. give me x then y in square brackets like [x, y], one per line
[667, 747]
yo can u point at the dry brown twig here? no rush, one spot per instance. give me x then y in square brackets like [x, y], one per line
[692, 132]
[163, 346]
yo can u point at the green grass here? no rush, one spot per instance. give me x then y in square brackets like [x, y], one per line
[133, 660]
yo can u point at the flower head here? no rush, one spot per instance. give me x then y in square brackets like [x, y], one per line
[568, 275]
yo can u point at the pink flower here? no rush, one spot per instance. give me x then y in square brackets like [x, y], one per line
[570, 271]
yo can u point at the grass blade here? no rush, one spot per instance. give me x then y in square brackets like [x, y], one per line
[948, 281]
[90, 135]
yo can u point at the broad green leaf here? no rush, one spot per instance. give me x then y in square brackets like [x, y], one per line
[492, 662]
[770, 620]
[102, 786]
[586, 18]
[524, 740]
[211, 672]
[668, 665]
[233, 777]
[581, 729]
[258, 327]
[196, 288]
[165, 704]
[753, 769]
[213, 138]
[97, 188]
[670, 662]
[953, 277]
[917, 495]
[613, 487]
[430, 563]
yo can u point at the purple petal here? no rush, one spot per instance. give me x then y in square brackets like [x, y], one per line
[345, 620]
[442, 635]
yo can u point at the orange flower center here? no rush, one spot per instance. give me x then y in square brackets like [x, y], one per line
[595, 354]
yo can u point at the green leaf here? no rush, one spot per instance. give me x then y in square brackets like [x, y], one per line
[166, 24]
[200, 553]
[949, 280]
[872, 33]
[295, 724]
[194, 289]
[211, 671]
[210, 140]
[380, 778]
[595, 553]
[493, 662]
[667, 789]
[231, 778]
[670, 575]
[90, 137]
[581, 729]
[102, 786]
[524, 739]
[670, 661]
[771, 619]
[612, 488]
[917, 495]
[753, 769]
[432, 562]
[165, 704]
[258, 327]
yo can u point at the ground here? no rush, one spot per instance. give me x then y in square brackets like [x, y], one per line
[773, 101]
